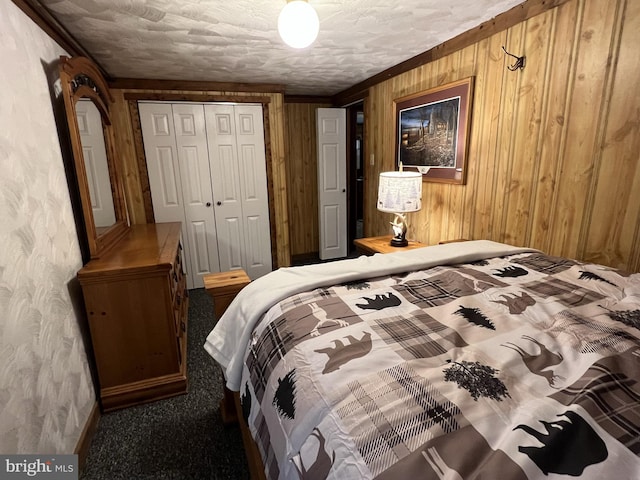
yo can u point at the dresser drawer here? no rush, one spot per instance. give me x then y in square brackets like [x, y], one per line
[176, 275]
[180, 307]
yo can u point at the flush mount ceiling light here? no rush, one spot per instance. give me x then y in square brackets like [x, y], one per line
[298, 24]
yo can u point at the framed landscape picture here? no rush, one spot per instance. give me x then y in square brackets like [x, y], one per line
[432, 131]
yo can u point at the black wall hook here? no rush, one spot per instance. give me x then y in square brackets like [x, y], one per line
[520, 61]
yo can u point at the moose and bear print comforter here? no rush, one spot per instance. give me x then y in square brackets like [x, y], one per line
[513, 367]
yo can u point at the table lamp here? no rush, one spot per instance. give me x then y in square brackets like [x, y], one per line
[400, 193]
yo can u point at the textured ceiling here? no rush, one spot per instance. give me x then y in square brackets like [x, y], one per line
[237, 40]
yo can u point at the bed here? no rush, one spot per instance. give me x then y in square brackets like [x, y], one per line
[473, 360]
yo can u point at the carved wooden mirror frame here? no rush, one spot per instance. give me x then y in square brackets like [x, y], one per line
[81, 79]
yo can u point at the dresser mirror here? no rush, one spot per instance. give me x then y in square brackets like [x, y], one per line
[88, 102]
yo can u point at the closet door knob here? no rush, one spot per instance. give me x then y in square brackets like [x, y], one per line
[218, 203]
[208, 204]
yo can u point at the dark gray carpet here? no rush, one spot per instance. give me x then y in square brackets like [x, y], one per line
[178, 438]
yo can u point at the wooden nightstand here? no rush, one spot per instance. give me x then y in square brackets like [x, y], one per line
[223, 287]
[371, 245]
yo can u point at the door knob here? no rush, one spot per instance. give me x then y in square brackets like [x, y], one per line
[208, 204]
[344, 190]
[218, 203]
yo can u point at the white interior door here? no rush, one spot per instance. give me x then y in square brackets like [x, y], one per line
[177, 163]
[238, 163]
[332, 182]
[94, 153]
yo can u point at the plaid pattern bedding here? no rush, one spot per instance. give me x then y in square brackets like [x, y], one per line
[525, 366]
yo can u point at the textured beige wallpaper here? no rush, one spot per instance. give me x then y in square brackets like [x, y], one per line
[46, 392]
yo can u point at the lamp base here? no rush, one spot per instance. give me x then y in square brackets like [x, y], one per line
[399, 242]
[399, 231]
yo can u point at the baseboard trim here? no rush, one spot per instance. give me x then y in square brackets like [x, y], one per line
[89, 430]
[148, 390]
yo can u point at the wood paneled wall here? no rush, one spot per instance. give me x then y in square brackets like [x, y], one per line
[302, 175]
[554, 153]
[134, 184]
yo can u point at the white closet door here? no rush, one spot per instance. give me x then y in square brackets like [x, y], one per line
[207, 169]
[226, 185]
[158, 135]
[193, 158]
[253, 188]
[173, 186]
[237, 156]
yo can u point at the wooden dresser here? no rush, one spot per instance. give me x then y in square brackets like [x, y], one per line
[136, 301]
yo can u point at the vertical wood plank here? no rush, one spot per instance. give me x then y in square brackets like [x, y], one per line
[506, 137]
[562, 52]
[585, 108]
[613, 229]
[487, 101]
[524, 152]
[123, 132]
[279, 178]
